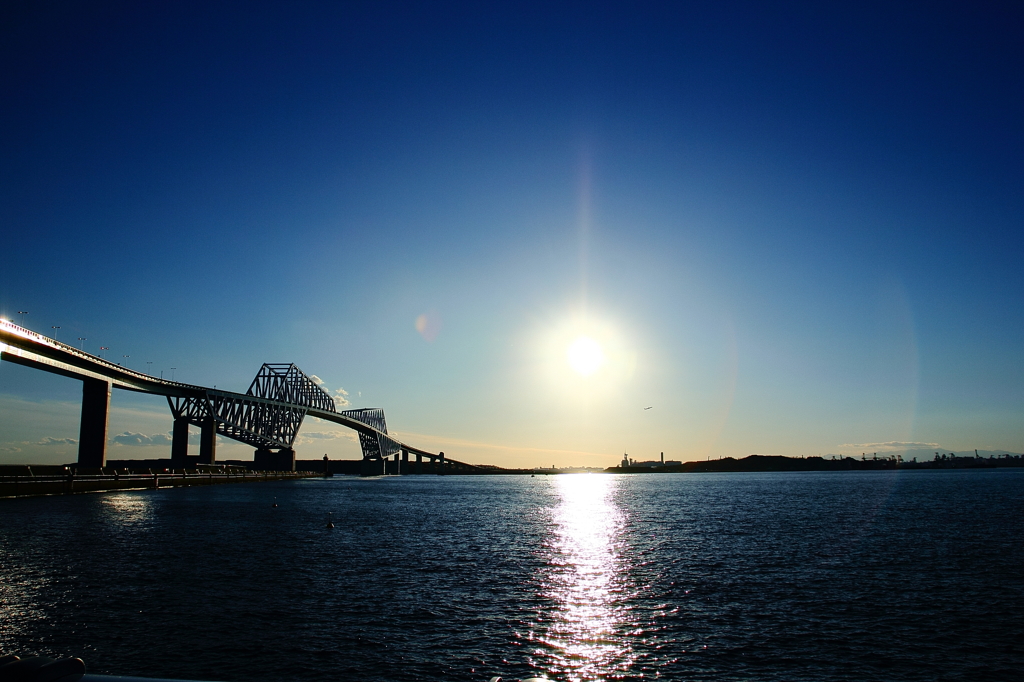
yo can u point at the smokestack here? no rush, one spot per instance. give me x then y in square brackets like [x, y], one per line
[663, 458]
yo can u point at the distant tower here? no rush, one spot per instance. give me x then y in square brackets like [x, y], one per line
[663, 459]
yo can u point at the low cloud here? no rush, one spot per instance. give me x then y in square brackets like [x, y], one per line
[890, 446]
[310, 437]
[129, 438]
[58, 441]
[10, 449]
[322, 435]
[339, 395]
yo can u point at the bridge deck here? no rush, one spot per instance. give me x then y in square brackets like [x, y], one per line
[30, 349]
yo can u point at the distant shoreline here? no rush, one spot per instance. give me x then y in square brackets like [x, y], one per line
[749, 464]
[755, 463]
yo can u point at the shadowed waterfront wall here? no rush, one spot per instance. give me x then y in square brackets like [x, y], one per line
[26, 481]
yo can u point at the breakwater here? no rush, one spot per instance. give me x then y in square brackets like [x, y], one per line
[25, 481]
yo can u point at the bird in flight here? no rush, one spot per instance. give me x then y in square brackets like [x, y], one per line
[647, 408]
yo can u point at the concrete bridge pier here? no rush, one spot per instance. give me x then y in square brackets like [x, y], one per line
[179, 444]
[92, 434]
[405, 463]
[372, 467]
[268, 460]
[208, 442]
[440, 459]
[419, 463]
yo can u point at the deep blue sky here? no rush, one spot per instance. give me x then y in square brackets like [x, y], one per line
[795, 228]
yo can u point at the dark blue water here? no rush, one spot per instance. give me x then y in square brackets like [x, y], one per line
[810, 576]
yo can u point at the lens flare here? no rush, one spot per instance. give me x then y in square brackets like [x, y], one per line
[429, 325]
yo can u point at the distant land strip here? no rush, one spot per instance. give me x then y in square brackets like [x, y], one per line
[782, 463]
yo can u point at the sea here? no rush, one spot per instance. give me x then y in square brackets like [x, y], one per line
[896, 575]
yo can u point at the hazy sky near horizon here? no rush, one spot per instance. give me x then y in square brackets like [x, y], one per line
[792, 228]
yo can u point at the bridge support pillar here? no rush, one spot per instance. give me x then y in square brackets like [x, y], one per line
[419, 463]
[179, 444]
[440, 458]
[372, 467]
[405, 471]
[92, 434]
[208, 442]
[268, 460]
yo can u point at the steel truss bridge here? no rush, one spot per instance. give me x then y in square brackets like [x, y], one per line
[267, 416]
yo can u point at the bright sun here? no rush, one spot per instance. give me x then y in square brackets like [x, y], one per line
[585, 356]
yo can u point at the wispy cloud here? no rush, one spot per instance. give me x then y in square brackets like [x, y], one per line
[58, 441]
[445, 441]
[129, 438]
[890, 446]
[10, 449]
[309, 437]
[339, 395]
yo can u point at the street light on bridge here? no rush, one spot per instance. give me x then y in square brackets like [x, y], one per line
[23, 313]
[172, 373]
[125, 359]
[81, 344]
[55, 333]
[149, 367]
[103, 348]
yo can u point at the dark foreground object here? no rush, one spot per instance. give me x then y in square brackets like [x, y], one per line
[40, 669]
[43, 669]
[23, 481]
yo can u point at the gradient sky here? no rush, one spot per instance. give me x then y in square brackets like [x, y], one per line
[794, 228]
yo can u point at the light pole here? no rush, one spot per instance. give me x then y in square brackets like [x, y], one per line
[125, 359]
[23, 313]
[55, 333]
[103, 348]
[172, 373]
[149, 367]
[81, 344]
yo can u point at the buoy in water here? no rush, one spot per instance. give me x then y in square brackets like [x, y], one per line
[330, 522]
[275, 503]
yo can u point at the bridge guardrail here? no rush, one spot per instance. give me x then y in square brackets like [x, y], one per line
[71, 482]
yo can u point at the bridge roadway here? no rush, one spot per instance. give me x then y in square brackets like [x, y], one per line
[263, 422]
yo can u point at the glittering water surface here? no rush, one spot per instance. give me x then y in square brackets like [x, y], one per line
[811, 576]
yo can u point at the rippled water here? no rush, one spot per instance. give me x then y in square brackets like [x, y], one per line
[810, 576]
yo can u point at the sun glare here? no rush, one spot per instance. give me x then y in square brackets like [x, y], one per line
[585, 356]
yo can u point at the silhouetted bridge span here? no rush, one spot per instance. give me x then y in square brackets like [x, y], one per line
[267, 416]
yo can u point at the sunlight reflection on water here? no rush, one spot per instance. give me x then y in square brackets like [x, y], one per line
[586, 638]
[18, 590]
[126, 510]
